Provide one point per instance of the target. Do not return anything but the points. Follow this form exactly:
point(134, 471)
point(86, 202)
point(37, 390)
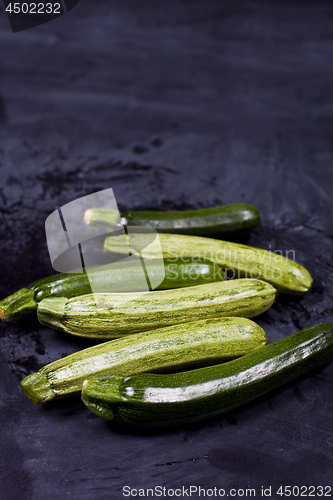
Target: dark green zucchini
point(156, 399)
point(197, 343)
point(178, 274)
point(239, 217)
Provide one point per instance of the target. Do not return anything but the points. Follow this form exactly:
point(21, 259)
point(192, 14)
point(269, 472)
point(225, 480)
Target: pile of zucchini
point(186, 350)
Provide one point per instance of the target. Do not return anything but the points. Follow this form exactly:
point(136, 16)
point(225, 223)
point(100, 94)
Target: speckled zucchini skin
point(196, 343)
point(235, 218)
point(284, 274)
point(155, 399)
point(178, 274)
point(124, 313)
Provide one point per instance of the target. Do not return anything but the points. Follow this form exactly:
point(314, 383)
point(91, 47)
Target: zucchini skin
point(120, 314)
point(178, 274)
point(196, 343)
point(245, 261)
point(234, 218)
point(156, 400)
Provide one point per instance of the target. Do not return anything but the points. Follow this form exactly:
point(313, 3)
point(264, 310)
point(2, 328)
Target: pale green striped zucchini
point(197, 343)
point(123, 313)
point(115, 278)
point(284, 274)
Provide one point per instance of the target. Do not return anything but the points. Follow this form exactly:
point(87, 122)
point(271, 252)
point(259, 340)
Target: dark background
point(174, 104)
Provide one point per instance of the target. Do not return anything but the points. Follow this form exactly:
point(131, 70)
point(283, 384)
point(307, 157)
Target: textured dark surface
point(178, 104)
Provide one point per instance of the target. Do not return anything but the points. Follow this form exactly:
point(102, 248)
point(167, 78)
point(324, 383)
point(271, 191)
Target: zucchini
point(155, 399)
point(119, 314)
point(199, 342)
point(235, 218)
point(284, 274)
point(178, 274)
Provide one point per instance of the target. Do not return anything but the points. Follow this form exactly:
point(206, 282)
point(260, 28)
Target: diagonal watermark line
point(64, 227)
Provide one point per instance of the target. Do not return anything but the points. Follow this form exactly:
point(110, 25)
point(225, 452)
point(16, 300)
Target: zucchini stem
point(37, 388)
point(18, 304)
point(51, 311)
point(101, 217)
point(91, 391)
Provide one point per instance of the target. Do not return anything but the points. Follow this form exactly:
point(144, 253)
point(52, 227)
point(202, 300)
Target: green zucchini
point(284, 274)
point(123, 313)
point(178, 274)
point(156, 399)
point(239, 217)
point(200, 342)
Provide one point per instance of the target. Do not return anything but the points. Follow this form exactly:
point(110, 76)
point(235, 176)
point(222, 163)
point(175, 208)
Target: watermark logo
point(75, 243)
point(24, 15)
